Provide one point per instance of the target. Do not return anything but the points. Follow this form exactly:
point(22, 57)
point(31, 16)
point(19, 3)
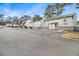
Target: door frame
point(50, 25)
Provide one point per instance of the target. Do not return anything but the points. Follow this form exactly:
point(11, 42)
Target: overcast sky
point(19, 9)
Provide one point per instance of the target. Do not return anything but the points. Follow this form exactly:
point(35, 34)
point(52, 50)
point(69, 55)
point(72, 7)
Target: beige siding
point(46, 23)
point(69, 21)
point(59, 21)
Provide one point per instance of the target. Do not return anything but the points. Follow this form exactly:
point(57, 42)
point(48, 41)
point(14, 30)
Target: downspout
point(75, 21)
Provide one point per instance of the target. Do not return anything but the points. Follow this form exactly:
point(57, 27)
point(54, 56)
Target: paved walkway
point(28, 42)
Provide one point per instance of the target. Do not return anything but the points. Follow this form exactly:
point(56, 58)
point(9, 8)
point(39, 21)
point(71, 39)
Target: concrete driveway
point(28, 42)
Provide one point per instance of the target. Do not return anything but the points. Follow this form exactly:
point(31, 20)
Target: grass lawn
point(73, 35)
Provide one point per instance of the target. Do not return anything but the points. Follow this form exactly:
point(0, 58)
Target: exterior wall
point(68, 27)
point(46, 23)
point(59, 21)
point(65, 27)
point(69, 21)
point(62, 24)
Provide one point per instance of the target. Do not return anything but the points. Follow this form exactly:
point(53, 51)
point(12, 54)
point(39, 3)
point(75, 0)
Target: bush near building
point(2, 23)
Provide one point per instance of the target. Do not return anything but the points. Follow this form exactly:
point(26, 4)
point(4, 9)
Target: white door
point(51, 26)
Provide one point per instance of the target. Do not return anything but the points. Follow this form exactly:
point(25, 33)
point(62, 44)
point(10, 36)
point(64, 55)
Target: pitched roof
point(77, 21)
point(59, 17)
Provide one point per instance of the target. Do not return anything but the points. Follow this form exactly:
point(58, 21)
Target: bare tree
point(54, 10)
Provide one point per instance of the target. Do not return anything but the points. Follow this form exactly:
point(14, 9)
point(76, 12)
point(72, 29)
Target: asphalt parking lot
point(31, 42)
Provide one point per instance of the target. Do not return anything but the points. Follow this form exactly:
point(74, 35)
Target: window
point(65, 20)
point(72, 17)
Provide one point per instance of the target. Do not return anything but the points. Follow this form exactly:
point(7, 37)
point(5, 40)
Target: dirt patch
point(73, 35)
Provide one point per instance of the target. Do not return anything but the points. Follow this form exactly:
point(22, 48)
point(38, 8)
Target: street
point(30, 42)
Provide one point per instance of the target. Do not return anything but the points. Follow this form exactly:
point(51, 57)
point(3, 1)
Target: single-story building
point(28, 23)
point(65, 22)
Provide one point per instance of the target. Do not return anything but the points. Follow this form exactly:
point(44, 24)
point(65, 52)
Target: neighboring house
point(28, 23)
point(66, 22)
point(10, 25)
